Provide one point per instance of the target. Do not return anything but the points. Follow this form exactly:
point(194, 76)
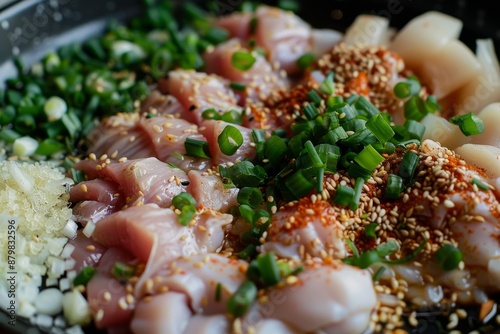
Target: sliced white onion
point(70, 229)
point(55, 108)
point(89, 229)
point(49, 302)
point(67, 250)
point(23, 180)
point(24, 146)
point(76, 308)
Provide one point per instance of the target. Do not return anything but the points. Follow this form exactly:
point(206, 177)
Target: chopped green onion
point(243, 60)
point(247, 253)
point(232, 116)
point(355, 171)
point(290, 5)
point(242, 298)
point(370, 230)
point(24, 146)
point(448, 257)
point(123, 271)
point(310, 111)
point(470, 124)
point(344, 195)
point(330, 154)
point(275, 150)
point(314, 97)
point(479, 184)
point(380, 128)
point(327, 86)
point(408, 165)
point(298, 185)
point(415, 108)
point(197, 148)
point(230, 140)
point(402, 90)
point(362, 104)
point(7, 115)
point(187, 205)
point(269, 272)
point(210, 114)
point(394, 186)
point(358, 187)
point(333, 136)
point(250, 195)
point(216, 35)
point(352, 247)
point(238, 86)
point(218, 292)
point(369, 158)
point(415, 129)
point(244, 173)
point(253, 25)
point(379, 273)
point(246, 212)
point(306, 60)
point(313, 154)
point(48, 147)
point(84, 276)
point(388, 147)
point(351, 99)
point(72, 123)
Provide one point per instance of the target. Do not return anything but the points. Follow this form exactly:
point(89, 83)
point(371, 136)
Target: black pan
point(31, 28)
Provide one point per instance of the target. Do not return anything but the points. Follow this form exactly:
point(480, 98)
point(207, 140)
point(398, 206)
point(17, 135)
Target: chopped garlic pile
point(34, 198)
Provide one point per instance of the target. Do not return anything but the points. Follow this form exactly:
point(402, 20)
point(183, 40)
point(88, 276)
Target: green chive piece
point(470, 124)
point(394, 186)
point(314, 97)
point(123, 271)
point(358, 187)
point(306, 60)
point(84, 276)
point(269, 271)
point(415, 129)
point(218, 292)
point(232, 116)
point(244, 173)
point(187, 205)
point(327, 86)
point(343, 195)
point(230, 140)
point(366, 107)
point(380, 128)
point(211, 114)
point(481, 185)
point(415, 108)
point(243, 60)
point(238, 86)
point(197, 148)
point(448, 257)
point(370, 230)
point(243, 297)
point(379, 273)
point(250, 196)
point(369, 158)
point(408, 165)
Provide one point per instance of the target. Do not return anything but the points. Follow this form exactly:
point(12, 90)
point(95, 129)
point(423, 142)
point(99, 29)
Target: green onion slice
point(380, 127)
point(123, 271)
point(344, 195)
point(370, 230)
point(197, 148)
point(408, 165)
point(211, 114)
point(230, 140)
point(84, 276)
point(480, 185)
point(470, 124)
point(448, 257)
point(243, 60)
point(242, 298)
point(250, 196)
point(269, 272)
point(327, 86)
point(358, 187)
point(394, 186)
point(305, 61)
point(369, 158)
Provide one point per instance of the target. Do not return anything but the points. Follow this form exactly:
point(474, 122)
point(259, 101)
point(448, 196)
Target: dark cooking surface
point(34, 27)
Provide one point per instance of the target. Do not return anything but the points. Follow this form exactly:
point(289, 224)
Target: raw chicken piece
point(490, 115)
point(209, 191)
point(212, 129)
point(103, 191)
point(197, 276)
point(158, 104)
point(198, 91)
point(440, 130)
point(484, 156)
point(92, 211)
point(260, 80)
point(273, 326)
point(87, 252)
point(161, 314)
point(323, 40)
point(306, 229)
point(367, 30)
point(106, 295)
point(347, 300)
point(201, 324)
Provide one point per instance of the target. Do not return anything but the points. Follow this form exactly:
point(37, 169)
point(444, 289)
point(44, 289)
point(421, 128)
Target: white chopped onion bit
point(64, 284)
point(23, 180)
point(89, 229)
point(67, 250)
point(55, 108)
point(76, 308)
point(70, 229)
point(119, 48)
point(44, 321)
point(49, 302)
point(24, 146)
point(51, 281)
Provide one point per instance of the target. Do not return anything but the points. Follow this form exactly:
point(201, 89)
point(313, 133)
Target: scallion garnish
point(310, 111)
point(358, 187)
point(344, 195)
point(370, 230)
point(242, 60)
point(415, 129)
point(84, 276)
point(238, 86)
point(369, 158)
point(314, 97)
point(306, 60)
point(414, 108)
point(197, 148)
point(394, 186)
point(366, 107)
point(380, 271)
point(187, 205)
point(408, 165)
point(448, 257)
point(232, 116)
point(242, 298)
point(244, 173)
point(480, 184)
point(268, 268)
point(211, 114)
point(230, 140)
point(123, 271)
point(327, 86)
point(250, 195)
point(275, 150)
point(470, 124)
point(218, 292)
